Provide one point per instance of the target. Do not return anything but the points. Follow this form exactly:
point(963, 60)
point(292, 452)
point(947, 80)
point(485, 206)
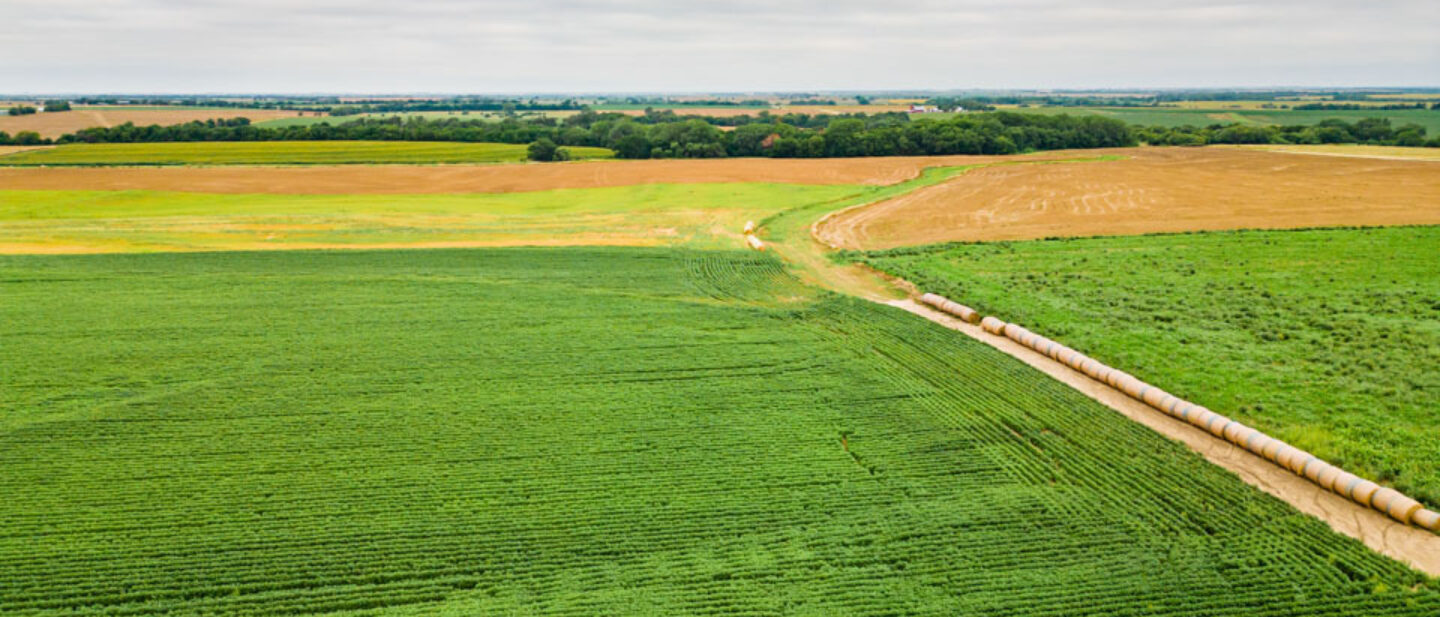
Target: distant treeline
point(1355, 107)
point(365, 107)
point(1372, 131)
point(666, 135)
point(665, 102)
point(338, 107)
point(656, 137)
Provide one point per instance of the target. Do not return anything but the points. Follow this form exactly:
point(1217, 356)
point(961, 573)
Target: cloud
point(739, 45)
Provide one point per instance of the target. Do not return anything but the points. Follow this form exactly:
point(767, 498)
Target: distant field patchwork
point(282, 153)
point(585, 432)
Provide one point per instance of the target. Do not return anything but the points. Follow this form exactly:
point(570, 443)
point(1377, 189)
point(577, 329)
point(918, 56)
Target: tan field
point(1154, 190)
point(59, 123)
point(1368, 152)
point(429, 179)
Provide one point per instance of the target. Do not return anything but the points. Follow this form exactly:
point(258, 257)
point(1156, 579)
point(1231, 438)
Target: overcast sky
point(466, 46)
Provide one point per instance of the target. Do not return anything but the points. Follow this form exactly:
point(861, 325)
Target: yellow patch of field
point(698, 215)
point(1369, 152)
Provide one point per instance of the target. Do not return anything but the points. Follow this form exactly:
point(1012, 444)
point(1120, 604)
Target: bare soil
point(55, 124)
point(1154, 190)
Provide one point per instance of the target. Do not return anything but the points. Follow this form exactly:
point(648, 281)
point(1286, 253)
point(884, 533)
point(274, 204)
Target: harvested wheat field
point(1154, 190)
point(1369, 152)
point(58, 123)
point(411, 179)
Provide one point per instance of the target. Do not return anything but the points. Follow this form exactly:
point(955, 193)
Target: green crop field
point(590, 431)
point(1327, 339)
point(282, 153)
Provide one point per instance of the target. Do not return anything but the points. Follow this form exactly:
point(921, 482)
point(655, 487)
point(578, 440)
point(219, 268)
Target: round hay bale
point(1327, 477)
point(1285, 456)
point(1317, 468)
point(1201, 417)
point(1428, 519)
point(1382, 498)
point(1300, 459)
point(1216, 425)
point(1403, 508)
point(992, 325)
point(1364, 491)
point(1272, 448)
point(1238, 433)
point(1345, 483)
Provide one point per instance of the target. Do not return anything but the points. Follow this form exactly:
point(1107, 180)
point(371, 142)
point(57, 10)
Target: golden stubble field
point(1153, 190)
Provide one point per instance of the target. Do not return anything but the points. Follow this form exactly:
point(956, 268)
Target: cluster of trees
point(853, 135)
point(545, 150)
point(1372, 131)
point(666, 135)
point(23, 138)
point(57, 106)
point(21, 110)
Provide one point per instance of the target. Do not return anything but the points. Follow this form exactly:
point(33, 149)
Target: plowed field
point(1155, 190)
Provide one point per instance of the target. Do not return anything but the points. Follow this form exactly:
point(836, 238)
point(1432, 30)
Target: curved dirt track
point(1155, 190)
point(419, 179)
point(1417, 547)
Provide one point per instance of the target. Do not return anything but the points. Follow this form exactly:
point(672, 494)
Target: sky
point(675, 46)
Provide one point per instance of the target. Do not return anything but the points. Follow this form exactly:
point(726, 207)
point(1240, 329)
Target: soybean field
point(583, 431)
point(1326, 339)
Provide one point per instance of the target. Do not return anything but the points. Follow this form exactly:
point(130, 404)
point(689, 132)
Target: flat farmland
point(1153, 190)
point(709, 214)
point(1201, 114)
point(1326, 339)
point(405, 180)
point(281, 153)
point(55, 124)
point(639, 215)
point(1369, 152)
point(590, 431)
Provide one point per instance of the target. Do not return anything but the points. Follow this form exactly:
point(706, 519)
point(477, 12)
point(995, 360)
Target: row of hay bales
point(751, 239)
point(1302, 463)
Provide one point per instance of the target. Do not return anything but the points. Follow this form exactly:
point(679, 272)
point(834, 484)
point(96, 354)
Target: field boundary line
point(1411, 545)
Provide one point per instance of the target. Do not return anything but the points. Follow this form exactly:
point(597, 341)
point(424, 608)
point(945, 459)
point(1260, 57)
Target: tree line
point(666, 135)
point(660, 137)
point(1370, 131)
